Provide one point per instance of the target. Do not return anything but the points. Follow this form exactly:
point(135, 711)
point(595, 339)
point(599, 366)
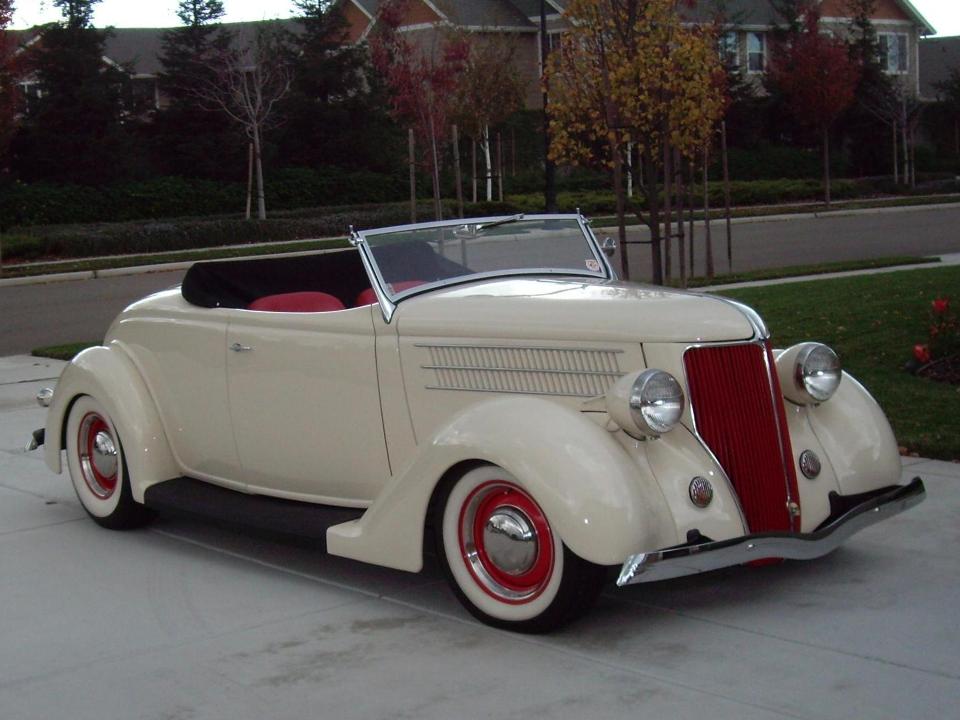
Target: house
point(749, 25)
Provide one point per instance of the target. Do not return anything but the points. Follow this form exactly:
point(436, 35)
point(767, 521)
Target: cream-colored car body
point(345, 408)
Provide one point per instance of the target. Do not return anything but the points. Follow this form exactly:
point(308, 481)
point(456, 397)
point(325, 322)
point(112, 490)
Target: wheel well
point(66, 417)
point(451, 475)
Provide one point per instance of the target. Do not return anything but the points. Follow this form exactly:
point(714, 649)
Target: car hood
point(573, 309)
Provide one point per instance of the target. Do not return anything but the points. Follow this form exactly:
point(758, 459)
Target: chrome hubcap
point(98, 455)
point(104, 454)
point(510, 541)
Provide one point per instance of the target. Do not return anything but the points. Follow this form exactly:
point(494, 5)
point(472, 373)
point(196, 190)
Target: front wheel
point(98, 469)
point(504, 561)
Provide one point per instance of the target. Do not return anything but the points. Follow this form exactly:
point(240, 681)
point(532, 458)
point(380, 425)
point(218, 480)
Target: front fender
point(595, 497)
point(108, 375)
point(857, 438)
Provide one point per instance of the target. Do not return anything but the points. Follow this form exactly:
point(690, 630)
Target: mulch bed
point(946, 370)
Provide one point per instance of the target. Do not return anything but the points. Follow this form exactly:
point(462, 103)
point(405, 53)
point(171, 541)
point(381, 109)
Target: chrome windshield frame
point(389, 301)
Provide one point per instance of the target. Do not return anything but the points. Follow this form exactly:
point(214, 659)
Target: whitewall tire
point(503, 559)
point(98, 469)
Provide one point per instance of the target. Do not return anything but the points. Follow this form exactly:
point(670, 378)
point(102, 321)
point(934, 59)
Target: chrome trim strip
point(573, 348)
point(512, 392)
point(549, 371)
point(691, 559)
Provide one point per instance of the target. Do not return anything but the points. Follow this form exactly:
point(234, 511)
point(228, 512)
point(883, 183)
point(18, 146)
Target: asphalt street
point(53, 313)
point(185, 620)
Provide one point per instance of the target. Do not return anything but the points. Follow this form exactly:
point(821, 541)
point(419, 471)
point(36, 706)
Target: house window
point(756, 52)
point(730, 48)
point(893, 52)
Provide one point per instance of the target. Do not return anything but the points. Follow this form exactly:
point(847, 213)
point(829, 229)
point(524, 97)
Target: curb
point(137, 269)
point(805, 216)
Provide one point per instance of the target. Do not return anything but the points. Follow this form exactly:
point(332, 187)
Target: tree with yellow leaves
point(633, 72)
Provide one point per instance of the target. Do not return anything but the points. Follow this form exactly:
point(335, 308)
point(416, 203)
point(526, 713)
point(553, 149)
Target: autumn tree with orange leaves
point(819, 79)
point(631, 72)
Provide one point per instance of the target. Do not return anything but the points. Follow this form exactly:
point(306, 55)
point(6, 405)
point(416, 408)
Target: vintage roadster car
point(487, 385)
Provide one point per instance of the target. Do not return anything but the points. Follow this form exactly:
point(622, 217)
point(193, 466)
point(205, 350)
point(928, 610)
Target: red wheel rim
point(98, 455)
point(510, 582)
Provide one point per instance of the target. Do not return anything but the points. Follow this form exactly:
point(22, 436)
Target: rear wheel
point(503, 559)
point(98, 469)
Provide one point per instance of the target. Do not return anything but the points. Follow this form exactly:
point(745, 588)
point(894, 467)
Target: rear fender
point(595, 497)
point(108, 375)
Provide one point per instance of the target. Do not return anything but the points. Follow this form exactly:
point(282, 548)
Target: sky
point(944, 15)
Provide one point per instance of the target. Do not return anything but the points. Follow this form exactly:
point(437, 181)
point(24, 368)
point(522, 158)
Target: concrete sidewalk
point(184, 620)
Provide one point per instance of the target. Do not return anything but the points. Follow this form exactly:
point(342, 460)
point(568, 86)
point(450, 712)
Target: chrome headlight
point(648, 403)
point(809, 373)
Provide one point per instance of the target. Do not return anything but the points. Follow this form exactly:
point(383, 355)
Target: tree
point(629, 71)
point(818, 77)
point(77, 131)
point(486, 96)
point(335, 113)
point(187, 139)
point(421, 81)
point(246, 83)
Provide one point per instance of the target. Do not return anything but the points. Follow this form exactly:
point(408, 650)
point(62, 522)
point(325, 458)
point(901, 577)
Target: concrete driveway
point(186, 620)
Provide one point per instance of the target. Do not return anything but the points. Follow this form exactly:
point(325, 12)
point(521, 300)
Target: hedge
point(23, 205)
point(128, 238)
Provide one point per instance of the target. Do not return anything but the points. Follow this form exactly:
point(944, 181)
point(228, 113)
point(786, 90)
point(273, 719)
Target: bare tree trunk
point(500, 167)
point(726, 193)
point(485, 145)
point(630, 169)
point(411, 148)
point(903, 144)
point(913, 158)
point(621, 206)
point(681, 240)
point(258, 159)
point(708, 238)
point(691, 183)
point(456, 170)
point(513, 152)
point(826, 165)
point(435, 160)
point(653, 222)
point(956, 136)
point(249, 180)
point(896, 160)
point(473, 167)
point(667, 210)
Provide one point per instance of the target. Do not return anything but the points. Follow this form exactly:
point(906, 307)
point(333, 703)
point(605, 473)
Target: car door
point(305, 404)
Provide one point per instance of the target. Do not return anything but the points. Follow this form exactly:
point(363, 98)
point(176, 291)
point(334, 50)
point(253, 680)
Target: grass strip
point(66, 351)
point(717, 215)
point(801, 270)
point(91, 264)
point(873, 323)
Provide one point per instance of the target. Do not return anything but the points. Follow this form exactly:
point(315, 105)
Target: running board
point(274, 516)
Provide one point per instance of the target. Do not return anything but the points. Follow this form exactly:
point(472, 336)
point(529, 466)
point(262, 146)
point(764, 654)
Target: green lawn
point(873, 322)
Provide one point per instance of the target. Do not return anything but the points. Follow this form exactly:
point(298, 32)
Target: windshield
point(409, 257)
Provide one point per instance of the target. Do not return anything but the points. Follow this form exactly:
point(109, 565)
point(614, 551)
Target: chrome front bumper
point(691, 559)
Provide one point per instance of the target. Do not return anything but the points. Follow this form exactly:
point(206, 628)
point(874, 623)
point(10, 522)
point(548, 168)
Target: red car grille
point(739, 413)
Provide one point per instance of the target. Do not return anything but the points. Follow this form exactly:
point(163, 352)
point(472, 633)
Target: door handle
point(237, 347)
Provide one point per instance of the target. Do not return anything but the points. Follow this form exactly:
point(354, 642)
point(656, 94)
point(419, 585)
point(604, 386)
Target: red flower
point(941, 305)
point(921, 353)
